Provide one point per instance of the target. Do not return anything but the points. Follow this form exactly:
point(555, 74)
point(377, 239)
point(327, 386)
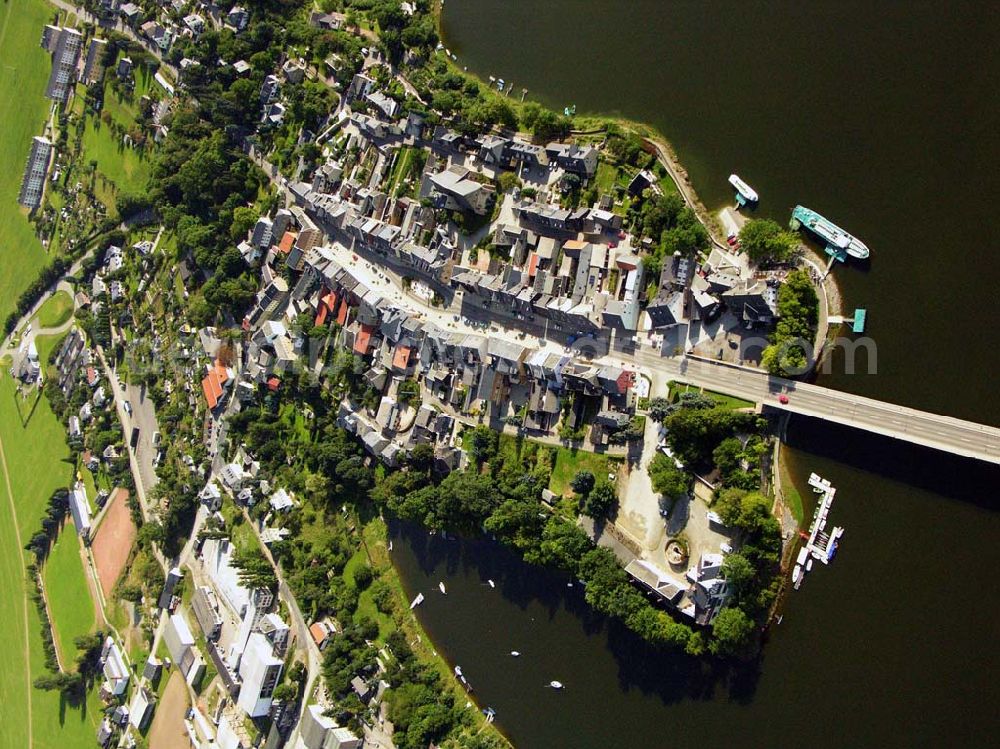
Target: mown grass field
point(35, 463)
point(729, 401)
point(124, 167)
point(56, 310)
point(70, 603)
point(569, 462)
point(24, 71)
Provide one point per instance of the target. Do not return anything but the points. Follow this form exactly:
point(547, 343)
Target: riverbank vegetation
point(336, 562)
point(798, 314)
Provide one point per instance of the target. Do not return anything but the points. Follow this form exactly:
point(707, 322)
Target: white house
point(281, 500)
point(115, 670)
point(79, 508)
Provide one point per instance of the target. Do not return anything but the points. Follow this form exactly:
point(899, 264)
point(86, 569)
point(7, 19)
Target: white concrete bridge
point(965, 438)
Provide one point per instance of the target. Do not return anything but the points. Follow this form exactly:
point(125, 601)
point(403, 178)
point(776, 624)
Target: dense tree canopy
point(765, 241)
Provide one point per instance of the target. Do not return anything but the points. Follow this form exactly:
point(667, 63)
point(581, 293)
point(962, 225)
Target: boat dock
point(857, 322)
point(745, 195)
point(820, 545)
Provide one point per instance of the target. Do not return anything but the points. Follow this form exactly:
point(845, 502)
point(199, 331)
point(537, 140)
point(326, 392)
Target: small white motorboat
point(491, 583)
point(441, 588)
point(515, 653)
point(417, 601)
point(556, 684)
point(458, 671)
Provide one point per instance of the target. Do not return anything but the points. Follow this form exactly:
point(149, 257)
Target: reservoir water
point(883, 117)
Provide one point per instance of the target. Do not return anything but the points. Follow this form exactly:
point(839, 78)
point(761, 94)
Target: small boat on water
point(441, 588)
point(744, 193)
point(515, 653)
point(797, 576)
point(490, 714)
point(809, 564)
point(556, 684)
point(491, 583)
point(458, 671)
point(417, 601)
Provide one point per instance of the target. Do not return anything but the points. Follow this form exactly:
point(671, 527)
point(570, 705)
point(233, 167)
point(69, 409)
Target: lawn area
point(569, 461)
point(24, 71)
point(606, 177)
point(730, 401)
point(57, 309)
point(70, 604)
point(123, 167)
point(400, 169)
point(124, 110)
point(45, 345)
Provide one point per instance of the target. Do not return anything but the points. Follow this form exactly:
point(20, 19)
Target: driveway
point(639, 508)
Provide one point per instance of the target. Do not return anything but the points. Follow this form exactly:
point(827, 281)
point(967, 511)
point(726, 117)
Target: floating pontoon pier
point(820, 545)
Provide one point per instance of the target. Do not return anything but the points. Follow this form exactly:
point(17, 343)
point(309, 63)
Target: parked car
point(782, 398)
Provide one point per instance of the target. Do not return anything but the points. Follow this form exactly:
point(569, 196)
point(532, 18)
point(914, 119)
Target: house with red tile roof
point(287, 242)
point(363, 340)
point(215, 383)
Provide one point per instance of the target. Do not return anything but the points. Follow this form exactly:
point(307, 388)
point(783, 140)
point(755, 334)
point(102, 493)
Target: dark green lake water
point(885, 118)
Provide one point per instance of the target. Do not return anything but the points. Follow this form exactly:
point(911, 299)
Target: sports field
point(24, 71)
point(70, 603)
point(114, 539)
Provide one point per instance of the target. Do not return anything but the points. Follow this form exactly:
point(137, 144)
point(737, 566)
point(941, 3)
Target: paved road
point(143, 417)
point(946, 433)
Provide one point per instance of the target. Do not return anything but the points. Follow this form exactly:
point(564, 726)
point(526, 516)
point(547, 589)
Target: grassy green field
point(57, 309)
point(46, 343)
point(35, 463)
point(24, 71)
point(722, 399)
point(124, 110)
point(70, 603)
point(124, 167)
point(569, 461)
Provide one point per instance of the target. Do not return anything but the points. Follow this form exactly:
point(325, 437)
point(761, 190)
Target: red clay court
point(114, 540)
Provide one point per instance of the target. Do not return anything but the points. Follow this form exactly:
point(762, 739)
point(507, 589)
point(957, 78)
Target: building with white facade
point(65, 45)
point(260, 672)
point(33, 182)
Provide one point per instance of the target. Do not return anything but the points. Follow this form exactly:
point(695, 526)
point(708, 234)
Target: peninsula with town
point(282, 275)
